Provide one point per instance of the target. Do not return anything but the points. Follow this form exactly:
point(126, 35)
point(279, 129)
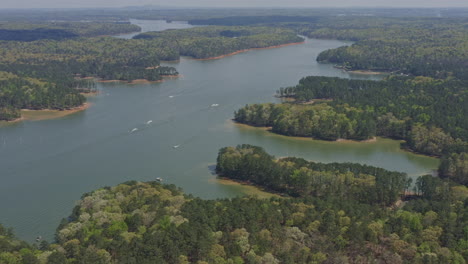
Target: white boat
point(214, 105)
point(149, 122)
point(134, 130)
point(159, 179)
point(176, 146)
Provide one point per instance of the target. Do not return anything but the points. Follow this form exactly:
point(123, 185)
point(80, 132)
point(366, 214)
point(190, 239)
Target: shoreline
point(367, 72)
point(144, 81)
point(249, 188)
point(44, 114)
point(119, 34)
point(362, 72)
point(405, 148)
point(245, 50)
point(370, 140)
point(89, 94)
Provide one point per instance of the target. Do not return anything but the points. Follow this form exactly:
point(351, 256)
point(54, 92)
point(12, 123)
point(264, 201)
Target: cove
point(47, 165)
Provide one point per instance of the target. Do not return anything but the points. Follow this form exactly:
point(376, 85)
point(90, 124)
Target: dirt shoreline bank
point(43, 114)
point(248, 187)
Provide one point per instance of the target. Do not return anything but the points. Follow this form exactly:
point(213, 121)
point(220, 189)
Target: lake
point(47, 165)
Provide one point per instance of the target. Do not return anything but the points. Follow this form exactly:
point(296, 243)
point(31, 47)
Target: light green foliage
point(249, 230)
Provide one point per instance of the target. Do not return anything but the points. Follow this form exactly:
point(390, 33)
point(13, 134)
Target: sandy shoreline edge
point(43, 114)
point(142, 81)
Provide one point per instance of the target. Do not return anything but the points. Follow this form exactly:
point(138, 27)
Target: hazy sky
point(231, 3)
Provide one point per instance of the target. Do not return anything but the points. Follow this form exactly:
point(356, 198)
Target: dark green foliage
point(298, 177)
point(455, 167)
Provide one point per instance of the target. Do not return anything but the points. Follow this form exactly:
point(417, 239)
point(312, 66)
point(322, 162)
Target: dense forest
point(429, 114)
point(428, 47)
point(61, 30)
point(139, 222)
point(205, 42)
point(48, 73)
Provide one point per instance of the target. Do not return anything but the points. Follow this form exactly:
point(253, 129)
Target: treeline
point(300, 178)
point(206, 42)
point(139, 222)
point(429, 114)
point(61, 30)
